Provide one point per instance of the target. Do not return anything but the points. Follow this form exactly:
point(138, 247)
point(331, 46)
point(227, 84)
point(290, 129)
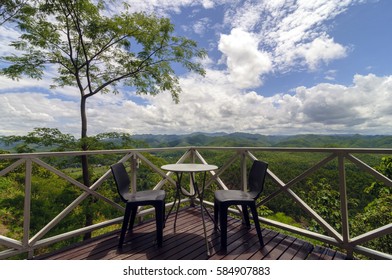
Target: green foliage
point(11, 210)
point(283, 218)
point(326, 201)
point(378, 188)
point(376, 214)
point(41, 137)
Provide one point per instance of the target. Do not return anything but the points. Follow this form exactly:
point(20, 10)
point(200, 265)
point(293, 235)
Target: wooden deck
point(187, 243)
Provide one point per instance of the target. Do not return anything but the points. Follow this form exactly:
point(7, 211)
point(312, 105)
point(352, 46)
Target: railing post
point(27, 208)
point(192, 187)
point(343, 205)
point(134, 165)
point(244, 172)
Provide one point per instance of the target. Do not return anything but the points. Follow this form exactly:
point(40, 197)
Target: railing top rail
point(90, 152)
point(163, 149)
point(301, 149)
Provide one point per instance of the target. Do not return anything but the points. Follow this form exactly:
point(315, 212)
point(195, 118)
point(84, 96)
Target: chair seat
point(233, 195)
point(145, 196)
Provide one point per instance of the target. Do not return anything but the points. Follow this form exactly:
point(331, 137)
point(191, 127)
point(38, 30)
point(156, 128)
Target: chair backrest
point(121, 178)
point(256, 178)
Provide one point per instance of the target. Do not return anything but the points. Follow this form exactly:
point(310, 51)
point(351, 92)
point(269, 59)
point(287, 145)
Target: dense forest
point(370, 202)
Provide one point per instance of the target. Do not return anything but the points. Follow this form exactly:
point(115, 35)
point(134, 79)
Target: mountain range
point(252, 140)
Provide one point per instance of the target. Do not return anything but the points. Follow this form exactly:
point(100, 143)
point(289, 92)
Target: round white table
point(191, 168)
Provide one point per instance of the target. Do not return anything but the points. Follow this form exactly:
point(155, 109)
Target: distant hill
point(251, 140)
point(258, 140)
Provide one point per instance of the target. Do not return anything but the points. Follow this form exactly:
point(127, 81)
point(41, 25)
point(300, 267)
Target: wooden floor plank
point(292, 250)
point(254, 247)
point(304, 251)
point(275, 249)
point(186, 242)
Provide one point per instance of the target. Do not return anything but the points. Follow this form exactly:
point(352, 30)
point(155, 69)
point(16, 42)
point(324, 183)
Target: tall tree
point(98, 53)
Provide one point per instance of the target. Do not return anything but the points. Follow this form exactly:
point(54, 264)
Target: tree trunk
point(85, 167)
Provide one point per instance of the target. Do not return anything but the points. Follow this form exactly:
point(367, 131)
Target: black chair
point(225, 198)
point(156, 198)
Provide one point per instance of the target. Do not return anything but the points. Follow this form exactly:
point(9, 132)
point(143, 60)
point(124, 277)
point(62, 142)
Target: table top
point(189, 167)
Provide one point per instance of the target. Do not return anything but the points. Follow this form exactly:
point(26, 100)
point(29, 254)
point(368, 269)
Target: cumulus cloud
point(363, 107)
point(322, 49)
point(21, 112)
point(245, 62)
point(211, 104)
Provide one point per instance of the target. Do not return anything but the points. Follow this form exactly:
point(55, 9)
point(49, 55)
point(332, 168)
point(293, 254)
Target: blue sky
point(273, 67)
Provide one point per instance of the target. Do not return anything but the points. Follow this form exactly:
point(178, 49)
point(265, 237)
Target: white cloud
point(164, 7)
point(201, 25)
point(322, 49)
point(245, 16)
point(363, 107)
point(246, 64)
point(213, 104)
point(330, 75)
point(21, 112)
point(7, 35)
point(219, 107)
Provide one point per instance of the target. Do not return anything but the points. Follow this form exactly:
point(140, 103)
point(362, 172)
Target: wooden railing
point(351, 244)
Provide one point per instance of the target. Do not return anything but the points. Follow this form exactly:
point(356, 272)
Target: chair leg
point(159, 218)
point(133, 216)
point(128, 210)
point(223, 225)
point(245, 214)
point(257, 224)
point(164, 214)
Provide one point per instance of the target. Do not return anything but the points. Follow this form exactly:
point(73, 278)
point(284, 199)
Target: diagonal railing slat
point(11, 243)
point(157, 170)
point(370, 170)
point(77, 183)
point(12, 167)
point(378, 232)
point(215, 174)
point(307, 173)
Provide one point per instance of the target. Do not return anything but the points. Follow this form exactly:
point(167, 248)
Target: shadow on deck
point(186, 242)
